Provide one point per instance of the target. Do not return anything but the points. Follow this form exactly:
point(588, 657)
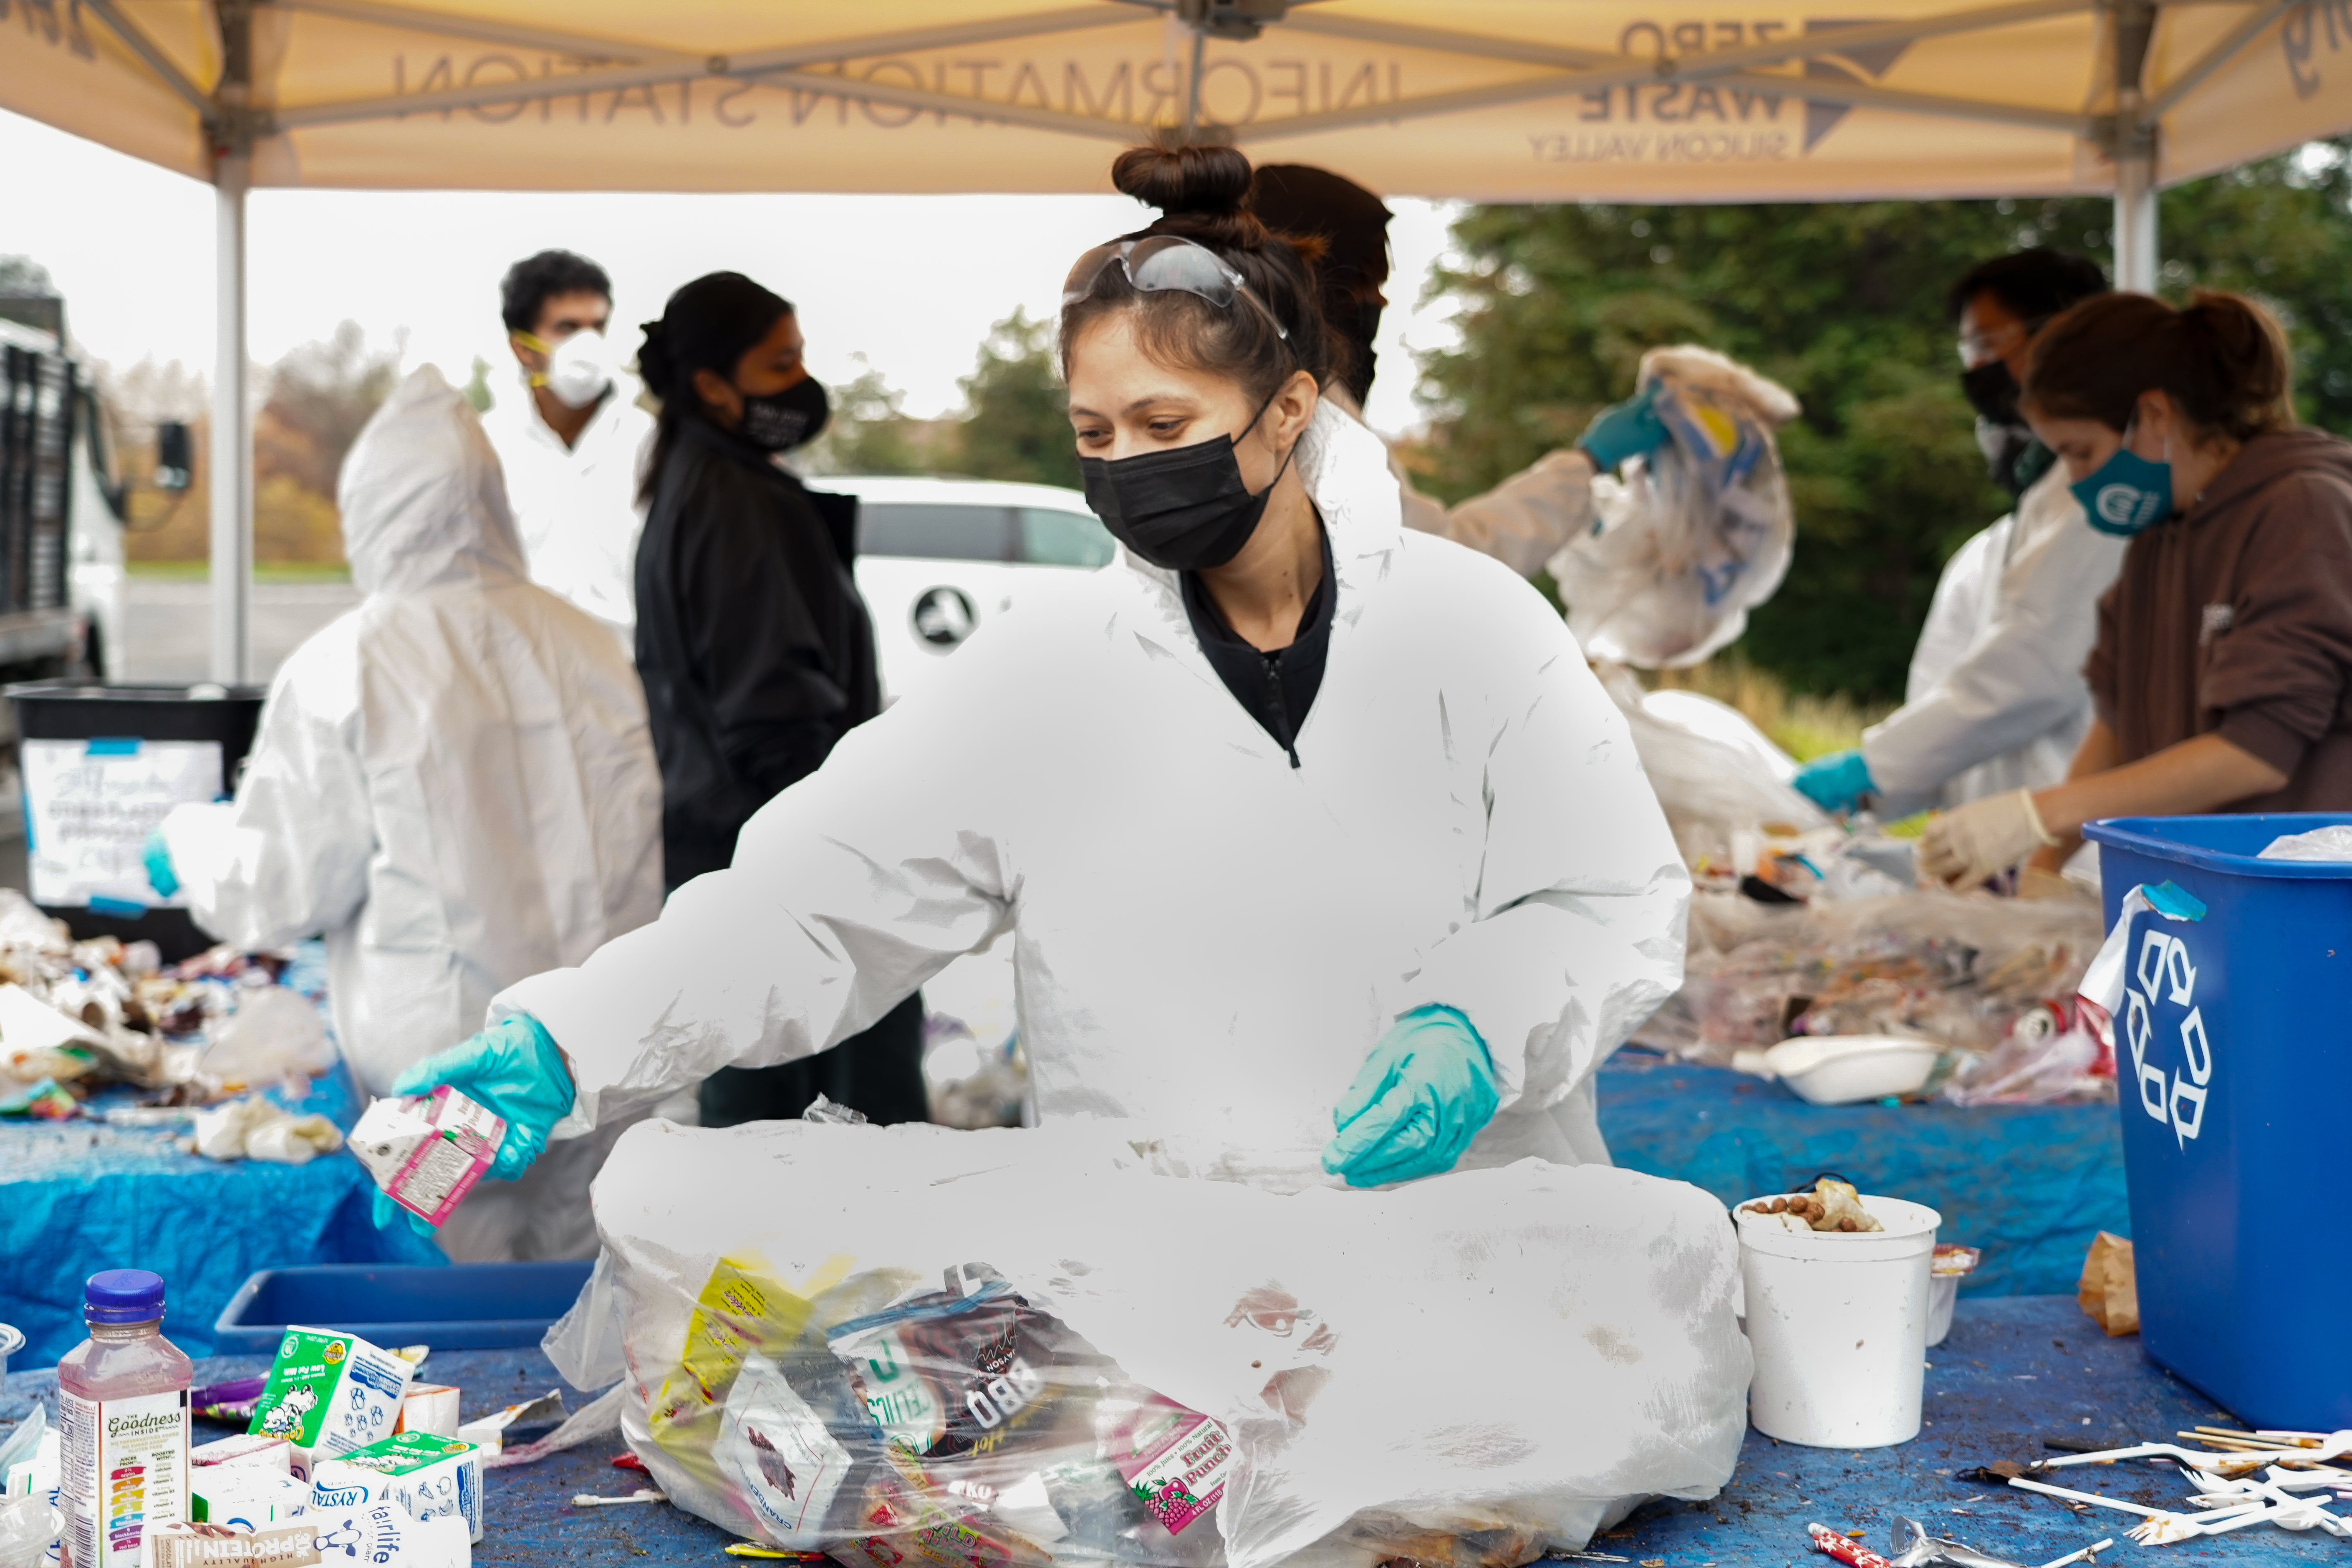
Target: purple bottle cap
point(122, 1296)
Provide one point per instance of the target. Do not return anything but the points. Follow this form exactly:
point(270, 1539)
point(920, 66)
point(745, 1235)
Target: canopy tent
point(1489, 100)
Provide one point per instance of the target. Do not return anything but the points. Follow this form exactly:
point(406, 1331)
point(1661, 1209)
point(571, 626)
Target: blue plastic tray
point(463, 1306)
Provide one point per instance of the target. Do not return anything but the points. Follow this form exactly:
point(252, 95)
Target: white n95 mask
point(580, 370)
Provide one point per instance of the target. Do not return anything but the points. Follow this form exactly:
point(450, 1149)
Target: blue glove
point(1837, 782)
point(514, 1069)
point(158, 857)
point(1624, 430)
point(1423, 1094)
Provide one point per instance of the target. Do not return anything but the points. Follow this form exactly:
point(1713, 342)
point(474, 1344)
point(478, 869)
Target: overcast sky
point(910, 282)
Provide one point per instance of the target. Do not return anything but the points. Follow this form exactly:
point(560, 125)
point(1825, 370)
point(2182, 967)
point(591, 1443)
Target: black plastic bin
point(115, 717)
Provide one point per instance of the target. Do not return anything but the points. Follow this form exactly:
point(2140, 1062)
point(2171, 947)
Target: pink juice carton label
point(1175, 1461)
point(426, 1152)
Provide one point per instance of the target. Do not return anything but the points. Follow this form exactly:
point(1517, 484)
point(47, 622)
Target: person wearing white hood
point(453, 781)
point(1319, 840)
point(572, 438)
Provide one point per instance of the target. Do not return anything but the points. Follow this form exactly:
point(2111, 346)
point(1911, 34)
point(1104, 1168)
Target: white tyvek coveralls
point(576, 507)
point(453, 781)
point(1996, 699)
point(1208, 940)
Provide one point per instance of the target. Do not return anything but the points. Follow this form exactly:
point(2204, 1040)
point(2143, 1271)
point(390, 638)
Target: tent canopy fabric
point(1490, 100)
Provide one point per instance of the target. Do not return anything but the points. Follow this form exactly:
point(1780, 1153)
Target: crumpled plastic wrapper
point(255, 1129)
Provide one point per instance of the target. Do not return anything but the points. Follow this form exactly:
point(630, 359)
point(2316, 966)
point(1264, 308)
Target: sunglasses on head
point(1164, 262)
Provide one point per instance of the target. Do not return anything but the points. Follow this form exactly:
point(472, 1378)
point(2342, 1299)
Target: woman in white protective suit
point(1318, 838)
point(453, 781)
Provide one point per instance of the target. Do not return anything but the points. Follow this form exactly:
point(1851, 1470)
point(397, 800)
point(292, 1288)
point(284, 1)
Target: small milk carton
point(430, 1408)
point(329, 1393)
point(432, 1477)
point(427, 1151)
point(247, 1495)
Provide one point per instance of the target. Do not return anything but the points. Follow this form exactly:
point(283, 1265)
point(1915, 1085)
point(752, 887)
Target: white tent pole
point(2134, 23)
point(232, 436)
point(232, 433)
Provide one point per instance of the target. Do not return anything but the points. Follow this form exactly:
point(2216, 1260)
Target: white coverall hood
point(454, 781)
point(424, 502)
point(1208, 940)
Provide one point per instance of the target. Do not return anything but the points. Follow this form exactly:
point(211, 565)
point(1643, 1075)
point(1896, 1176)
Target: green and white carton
point(430, 1477)
point(329, 1394)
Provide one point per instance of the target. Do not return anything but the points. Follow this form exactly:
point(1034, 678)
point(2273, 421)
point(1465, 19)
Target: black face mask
point(1991, 391)
point(1184, 509)
point(779, 421)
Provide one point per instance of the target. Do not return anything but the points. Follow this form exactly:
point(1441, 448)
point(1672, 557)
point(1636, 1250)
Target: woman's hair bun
point(654, 366)
point(1209, 181)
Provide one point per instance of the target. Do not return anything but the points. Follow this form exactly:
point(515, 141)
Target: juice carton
point(329, 1393)
point(432, 1477)
point(427, 1151)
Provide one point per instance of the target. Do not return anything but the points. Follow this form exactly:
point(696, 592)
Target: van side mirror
point(174, 455)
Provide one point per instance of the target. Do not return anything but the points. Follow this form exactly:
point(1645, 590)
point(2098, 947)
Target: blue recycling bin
point(2235, 1081)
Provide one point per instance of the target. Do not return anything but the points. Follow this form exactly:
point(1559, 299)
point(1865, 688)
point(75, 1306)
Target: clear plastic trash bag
point(1698, 534)
point(1015, 1348)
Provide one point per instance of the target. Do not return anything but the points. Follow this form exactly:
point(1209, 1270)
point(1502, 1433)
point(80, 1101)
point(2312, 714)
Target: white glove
point(1964, 846)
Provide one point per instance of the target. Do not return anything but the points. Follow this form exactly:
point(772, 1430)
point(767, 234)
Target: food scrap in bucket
point(1831, 1205)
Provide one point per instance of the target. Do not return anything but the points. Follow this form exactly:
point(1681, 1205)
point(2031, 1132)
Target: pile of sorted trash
point(193, 1043)
point(1987, 987)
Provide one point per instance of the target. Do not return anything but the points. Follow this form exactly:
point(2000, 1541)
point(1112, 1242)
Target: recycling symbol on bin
point(2164, 974)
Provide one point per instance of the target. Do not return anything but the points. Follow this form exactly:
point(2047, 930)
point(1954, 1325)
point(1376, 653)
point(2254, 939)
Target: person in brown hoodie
point(2222, 675)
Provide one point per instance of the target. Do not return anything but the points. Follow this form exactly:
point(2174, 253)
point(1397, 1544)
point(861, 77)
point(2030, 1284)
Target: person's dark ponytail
point(710, 324)
point(2223, 361)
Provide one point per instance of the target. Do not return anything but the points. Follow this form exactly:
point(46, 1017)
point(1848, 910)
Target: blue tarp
point(79, 1196)
point(2031, 1185)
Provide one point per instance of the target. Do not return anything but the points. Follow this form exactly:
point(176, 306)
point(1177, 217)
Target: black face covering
point(1991, 391)
point(779, 421)
point(1184, 509)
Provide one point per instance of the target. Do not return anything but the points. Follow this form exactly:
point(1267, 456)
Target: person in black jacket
point(756, 651)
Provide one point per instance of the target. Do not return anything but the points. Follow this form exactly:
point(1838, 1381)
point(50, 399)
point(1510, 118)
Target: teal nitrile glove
point(1423, 1094)
point(158, 857)
point(1622, 430)
point(1837, 782)
point(387, 1213)
point(514, 1069)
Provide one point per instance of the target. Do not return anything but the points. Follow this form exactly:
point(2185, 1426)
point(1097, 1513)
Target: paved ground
point(167, 626)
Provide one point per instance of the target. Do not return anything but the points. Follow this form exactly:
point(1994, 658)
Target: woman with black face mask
point(1324, 854)
point(755, 649)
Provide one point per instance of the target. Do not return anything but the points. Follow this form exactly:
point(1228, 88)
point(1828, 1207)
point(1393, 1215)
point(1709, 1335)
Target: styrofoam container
point(1843, 1070)
point(1839, 1324)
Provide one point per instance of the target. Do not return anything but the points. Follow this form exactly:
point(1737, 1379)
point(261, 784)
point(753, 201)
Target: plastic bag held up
point(1014, 1348)
point(1699, 533)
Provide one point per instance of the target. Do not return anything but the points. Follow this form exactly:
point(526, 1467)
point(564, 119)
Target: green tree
point(476, 390)
point(1016, 424)
point(1844, 304)
point(868, 432)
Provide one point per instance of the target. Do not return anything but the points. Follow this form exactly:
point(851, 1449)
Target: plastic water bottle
point(123, 1416)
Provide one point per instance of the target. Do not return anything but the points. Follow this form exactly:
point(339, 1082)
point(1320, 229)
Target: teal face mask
point(2127, 493)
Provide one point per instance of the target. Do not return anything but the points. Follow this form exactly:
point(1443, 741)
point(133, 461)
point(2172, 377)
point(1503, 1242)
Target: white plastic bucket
point(1839, 1324)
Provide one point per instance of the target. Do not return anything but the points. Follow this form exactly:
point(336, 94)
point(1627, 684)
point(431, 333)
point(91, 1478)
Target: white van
point(938, 558)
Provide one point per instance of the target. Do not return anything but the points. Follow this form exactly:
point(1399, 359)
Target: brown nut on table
point(1845, 1224)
